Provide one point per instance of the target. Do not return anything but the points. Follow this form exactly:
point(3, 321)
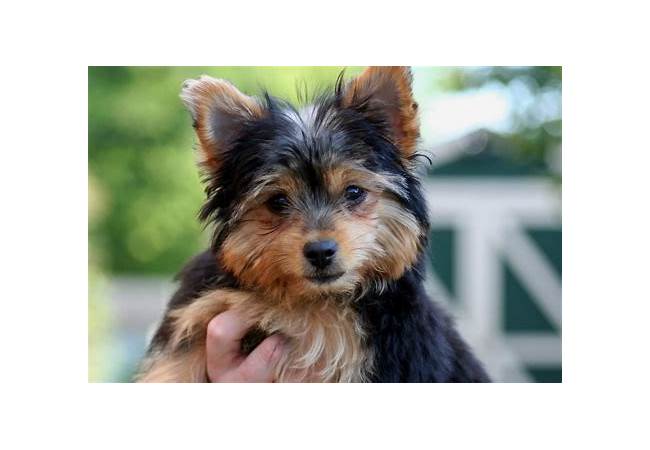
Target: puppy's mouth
point(325, 278)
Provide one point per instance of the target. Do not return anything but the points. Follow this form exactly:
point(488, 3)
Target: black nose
point(320, 253)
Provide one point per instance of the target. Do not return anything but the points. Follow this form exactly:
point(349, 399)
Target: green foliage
point(99, 328)
point(537, 119)
point(140, 158)
point(99, 314)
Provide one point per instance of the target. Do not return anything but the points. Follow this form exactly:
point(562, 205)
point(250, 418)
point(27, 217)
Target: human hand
point(225, 362)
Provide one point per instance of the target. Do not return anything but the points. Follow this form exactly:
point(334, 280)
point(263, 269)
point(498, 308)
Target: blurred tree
point(537, 116)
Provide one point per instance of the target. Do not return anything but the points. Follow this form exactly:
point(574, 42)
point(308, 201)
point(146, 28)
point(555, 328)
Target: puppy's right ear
point(219, 111)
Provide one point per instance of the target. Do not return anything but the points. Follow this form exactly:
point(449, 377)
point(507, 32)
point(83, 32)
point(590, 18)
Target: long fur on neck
point(326, 339)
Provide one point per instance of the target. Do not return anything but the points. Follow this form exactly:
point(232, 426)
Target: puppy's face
point(317, 200)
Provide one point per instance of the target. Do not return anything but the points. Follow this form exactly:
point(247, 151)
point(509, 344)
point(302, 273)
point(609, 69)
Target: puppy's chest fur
point(325, 338)
point(395, 336)
point(324, 335)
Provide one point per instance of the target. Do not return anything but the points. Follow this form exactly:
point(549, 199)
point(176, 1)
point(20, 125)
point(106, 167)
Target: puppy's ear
point(386, 93)
point(219, 112)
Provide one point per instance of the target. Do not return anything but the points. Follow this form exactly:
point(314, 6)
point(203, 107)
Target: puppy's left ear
point(386, 93)
point(219, 111)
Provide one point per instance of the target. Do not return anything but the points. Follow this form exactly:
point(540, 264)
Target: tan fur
point(399, 238)
point(204, 97)
point(325, 339)
point(390, 89)
point(264, 251)
point(167, 367)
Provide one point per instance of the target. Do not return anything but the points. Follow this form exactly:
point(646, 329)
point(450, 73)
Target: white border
point(44, 163)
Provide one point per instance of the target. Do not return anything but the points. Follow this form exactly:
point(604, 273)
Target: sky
point(447, 115)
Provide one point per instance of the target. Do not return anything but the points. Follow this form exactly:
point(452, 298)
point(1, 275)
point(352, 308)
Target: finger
point(260, 365)
point(222, 341)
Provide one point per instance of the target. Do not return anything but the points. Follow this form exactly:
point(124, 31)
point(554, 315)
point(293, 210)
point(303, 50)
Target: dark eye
point(278, 203)
point(354, 194)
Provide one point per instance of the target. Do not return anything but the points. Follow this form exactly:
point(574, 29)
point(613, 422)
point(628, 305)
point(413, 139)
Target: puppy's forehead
point(311, 151)
point(308, 139)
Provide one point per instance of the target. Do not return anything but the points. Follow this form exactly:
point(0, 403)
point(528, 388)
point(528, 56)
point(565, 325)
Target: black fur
point(412, 339)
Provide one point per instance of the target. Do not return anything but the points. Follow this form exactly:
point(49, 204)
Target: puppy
point(320, 228)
